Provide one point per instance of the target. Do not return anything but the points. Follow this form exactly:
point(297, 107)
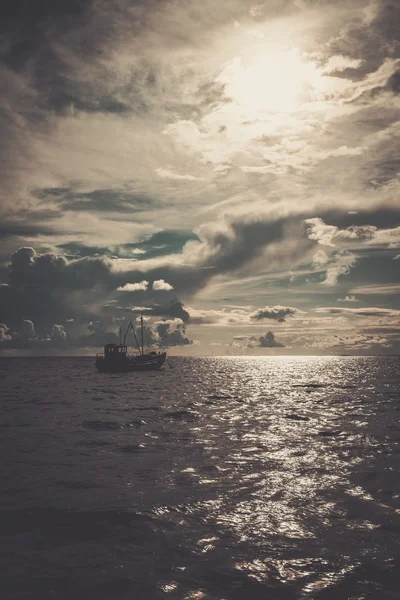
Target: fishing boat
point(117, 359)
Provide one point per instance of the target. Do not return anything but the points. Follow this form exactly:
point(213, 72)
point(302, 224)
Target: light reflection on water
point(281, 437)
point(236, 477)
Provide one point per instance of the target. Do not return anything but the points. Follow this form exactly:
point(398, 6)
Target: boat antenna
point(120, 336)
point(141, 323)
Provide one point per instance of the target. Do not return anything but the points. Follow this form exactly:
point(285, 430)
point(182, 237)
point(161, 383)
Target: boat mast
point(141, 323)
point(136, 340)
point(130, 325)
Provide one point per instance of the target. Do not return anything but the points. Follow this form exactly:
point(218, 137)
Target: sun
point(271, 80)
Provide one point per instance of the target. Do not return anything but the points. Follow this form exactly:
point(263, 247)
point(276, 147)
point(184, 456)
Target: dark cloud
point(391, 85)
point(277, 313)
point(59, 295)
point(77, 250)
point(372, 42)
point(241, 240)
point(101, 200)
point(27, 329)
point(268, 341)
point(24, 25)
point(383, 218)
point(169, 241)
point(52, 271)
point(62, 101)
point(169, 332)
point(26, 337)
point(174, 310)
point(98, 335)
point(21, 228)
point(172, 333)
point(58, 335)
point(49, 288)
point(34, 33)
point(263, 341)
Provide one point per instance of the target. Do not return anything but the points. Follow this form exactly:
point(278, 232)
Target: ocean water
point(213, 479)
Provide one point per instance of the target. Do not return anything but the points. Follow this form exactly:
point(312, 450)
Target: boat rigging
point(116, 358)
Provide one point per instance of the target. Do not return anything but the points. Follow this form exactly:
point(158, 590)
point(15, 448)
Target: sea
point(212, 479)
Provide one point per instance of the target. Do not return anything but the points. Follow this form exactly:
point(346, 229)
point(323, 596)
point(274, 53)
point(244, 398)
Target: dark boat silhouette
point(116, 358)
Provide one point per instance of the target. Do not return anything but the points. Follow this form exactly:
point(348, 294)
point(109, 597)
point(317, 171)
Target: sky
point(229, 170)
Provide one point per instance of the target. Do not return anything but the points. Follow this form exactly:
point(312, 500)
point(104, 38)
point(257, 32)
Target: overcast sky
point(229, 169)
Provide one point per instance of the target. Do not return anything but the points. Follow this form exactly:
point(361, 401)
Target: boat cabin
point(112, 351)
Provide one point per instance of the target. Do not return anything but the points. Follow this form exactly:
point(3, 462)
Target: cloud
point(257, 10)
point(366, 235)
point(50, 289)
point(339, 62)
point(97, 337)
point(320, 232)
point(377, 290)
point(174, 309)
point(268, 341)
point(58, 335)
point(277, 313)
point(264, 341)
point(172, 333)
point(320, 259)
point(239, 240)
point(350, 342)
point(361, 312)
point(30, 268)
point(351, 298)
point(160, 284)
point(166, 173)
point(5, 334)
point(168, 332)
point(28, 338)
point(27, 329)
point(337, 263)
point(222, 317)
point(117, 200)
point(340, 265)
point(134, 287)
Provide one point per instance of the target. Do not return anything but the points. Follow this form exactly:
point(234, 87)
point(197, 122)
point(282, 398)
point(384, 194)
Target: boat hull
point(137, 363)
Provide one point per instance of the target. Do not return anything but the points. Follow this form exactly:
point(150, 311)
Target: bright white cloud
point(320, 232)
point(320, 259)
point(367, 235)
point(348, 299)
point(340, 63)
point(134, 287)
point(160, 284)
point(167, 174)
point(340, 265)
